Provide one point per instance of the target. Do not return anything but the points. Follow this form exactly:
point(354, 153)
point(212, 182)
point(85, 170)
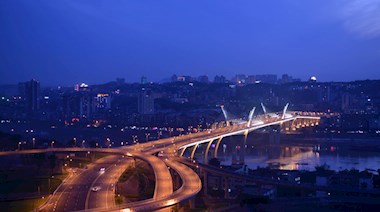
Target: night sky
point(70, 41)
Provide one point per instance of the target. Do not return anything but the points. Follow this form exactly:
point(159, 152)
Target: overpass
point(243, 129)
point(164, 196)
point(268, 181)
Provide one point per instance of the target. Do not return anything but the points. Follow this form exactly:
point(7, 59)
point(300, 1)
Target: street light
point(147, 136)
point(52, 143)
point(19, 145)
point(83, 143)
point(34, 142)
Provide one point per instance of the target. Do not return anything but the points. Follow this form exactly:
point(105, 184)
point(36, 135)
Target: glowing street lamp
point(52, 144)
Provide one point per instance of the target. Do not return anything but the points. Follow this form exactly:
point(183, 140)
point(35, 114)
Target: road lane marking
point(93, 183)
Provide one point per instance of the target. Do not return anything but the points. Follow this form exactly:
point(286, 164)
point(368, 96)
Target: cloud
point(361, 17)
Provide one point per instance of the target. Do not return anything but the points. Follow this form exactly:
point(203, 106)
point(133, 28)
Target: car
point(95, 189)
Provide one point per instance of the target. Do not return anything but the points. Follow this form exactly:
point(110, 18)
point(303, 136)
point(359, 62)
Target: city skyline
point(189, 105)
point(244, 80)
point(69, 42)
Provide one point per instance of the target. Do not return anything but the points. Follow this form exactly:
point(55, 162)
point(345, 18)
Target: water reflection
point(305, 156)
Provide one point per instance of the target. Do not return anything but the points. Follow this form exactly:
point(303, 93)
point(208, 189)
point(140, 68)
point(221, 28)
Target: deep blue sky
point(69, 41)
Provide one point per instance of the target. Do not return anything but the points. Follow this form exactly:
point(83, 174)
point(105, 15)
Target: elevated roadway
point(163, 193)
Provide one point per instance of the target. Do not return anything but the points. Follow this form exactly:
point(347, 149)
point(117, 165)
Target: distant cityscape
point(116, 115)
point(189, 106)
point(185, 102)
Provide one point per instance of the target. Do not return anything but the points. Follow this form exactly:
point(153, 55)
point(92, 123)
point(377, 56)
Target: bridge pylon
point(206, 152)
point(193, 151)
point(217, 147)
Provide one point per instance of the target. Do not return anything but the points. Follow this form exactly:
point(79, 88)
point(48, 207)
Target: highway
point(191, 185)
point(72, 194)
point(75, 193)
point(105, 197)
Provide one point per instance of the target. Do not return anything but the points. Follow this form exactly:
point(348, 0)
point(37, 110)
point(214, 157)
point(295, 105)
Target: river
point(338, 154)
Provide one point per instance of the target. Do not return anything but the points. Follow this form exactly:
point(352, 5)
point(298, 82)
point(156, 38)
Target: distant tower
point(145, 102)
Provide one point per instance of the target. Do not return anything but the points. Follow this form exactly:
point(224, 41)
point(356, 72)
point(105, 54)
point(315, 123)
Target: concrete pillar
point(206, 152)
point(291, 125)
point(234, 152)
point(226, 187)
point(193, 152)
point(178, 180)
point(182, 151)
point(274, 135)
point(192, 203)
point(242, 148)
point(205, 186)
point(217, 147)
point(134, 163)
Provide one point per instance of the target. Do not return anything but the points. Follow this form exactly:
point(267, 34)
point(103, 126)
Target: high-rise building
point(86, 106)
point(70, 105)
point(184, 78)
point(346, 102)
point(219, 79)
point(30, 91)
point(102, 101)
point(203, 79)
point(251, 79)
point(146, 102)
point(144, 80)
point(285, 78)
point(239, 79)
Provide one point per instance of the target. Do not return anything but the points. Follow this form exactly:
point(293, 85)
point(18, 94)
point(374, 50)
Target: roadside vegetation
point(136, 183)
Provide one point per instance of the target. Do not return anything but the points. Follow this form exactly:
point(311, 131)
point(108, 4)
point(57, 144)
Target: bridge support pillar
point(217, 147)
point(226, 188)
point(234, 152)
point(193, 152)
point(192, 203)
point(292, 124)
point(206, 152)
point(205, 183)
point(182, 152)
point(274, 135)
point(242, 148)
